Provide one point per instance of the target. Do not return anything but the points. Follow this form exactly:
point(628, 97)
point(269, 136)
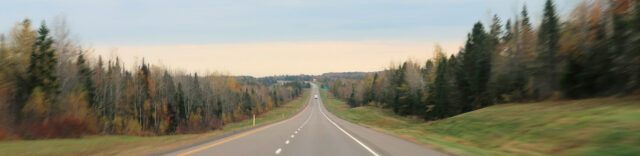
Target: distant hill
point(270, 80)
point(326, 77)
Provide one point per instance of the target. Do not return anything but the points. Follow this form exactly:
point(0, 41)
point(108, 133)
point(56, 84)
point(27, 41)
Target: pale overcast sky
point(267, 37)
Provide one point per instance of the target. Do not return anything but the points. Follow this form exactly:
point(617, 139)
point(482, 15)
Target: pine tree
point(620, 39)
point(598, 57)
point(194, 99)
point(548, 48)
point(402, 98)
point(180, 102)
point(85, 75)
point(450, 75)
point(246, 101)
point(172, 103)
point(526, 25)
point(474, 72)
point(442, 108)
point(143, 103)
point(508, 34)
point(352, 99)
point(42, 63)
point(495, 31)
point(428, 67)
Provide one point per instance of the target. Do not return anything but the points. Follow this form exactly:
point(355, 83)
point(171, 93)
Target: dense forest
point(593, 52)
point(50, 89)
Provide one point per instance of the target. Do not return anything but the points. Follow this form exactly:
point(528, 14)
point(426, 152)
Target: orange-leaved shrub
point(3, 133)
point(60, 127)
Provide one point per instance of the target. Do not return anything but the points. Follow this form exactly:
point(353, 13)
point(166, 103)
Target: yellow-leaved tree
point(37, 106)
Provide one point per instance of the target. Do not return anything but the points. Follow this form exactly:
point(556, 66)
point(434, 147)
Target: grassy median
point(138, 145)
point(599, 126)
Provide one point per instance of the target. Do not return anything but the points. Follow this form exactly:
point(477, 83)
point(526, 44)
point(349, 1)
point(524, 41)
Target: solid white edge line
point(345, 132)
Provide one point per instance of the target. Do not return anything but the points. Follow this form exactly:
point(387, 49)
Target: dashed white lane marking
point(345, 132)
point(296, 132)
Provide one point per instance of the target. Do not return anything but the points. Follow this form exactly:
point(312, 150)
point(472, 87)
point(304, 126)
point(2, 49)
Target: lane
point(383, 144)
point(309, 128)
point(313, 132)
point(262, 141)
point(321, 138)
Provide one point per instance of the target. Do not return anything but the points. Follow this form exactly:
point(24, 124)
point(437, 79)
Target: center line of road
point(345, 132)
point(296, 132)
point(243, 134)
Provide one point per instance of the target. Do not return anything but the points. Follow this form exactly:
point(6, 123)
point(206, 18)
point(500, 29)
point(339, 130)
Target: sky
point(269, 37)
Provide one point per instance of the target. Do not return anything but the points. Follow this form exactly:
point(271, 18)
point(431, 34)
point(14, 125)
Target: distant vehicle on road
point(315, 96)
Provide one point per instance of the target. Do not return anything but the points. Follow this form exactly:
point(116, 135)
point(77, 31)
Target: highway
point(312, 132)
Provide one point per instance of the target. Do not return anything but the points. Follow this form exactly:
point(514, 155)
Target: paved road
point(312, 132)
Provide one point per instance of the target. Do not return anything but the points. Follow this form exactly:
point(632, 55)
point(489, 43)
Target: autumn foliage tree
point(594, 52)
point(43, 82)
point(51, 88)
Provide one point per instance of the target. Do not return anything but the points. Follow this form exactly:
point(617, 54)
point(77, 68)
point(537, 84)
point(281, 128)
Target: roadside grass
point(597, 126)
point(140, 145)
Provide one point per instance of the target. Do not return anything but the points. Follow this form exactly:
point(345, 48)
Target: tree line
point(49, 89)
point(594, 52)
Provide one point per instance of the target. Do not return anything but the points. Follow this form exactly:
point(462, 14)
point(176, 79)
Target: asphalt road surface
point(312, 132)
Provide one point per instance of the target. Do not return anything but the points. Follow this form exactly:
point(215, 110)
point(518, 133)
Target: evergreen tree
point(402, 100)
point(598, 58)
point(571, 80)
point(246, 101)
point(85, 76)
point(42, 64)
point(172, 103)
point(589, 70)
point(524, 14)
point(442, 107)
point(195, 95)
point(548, 48)
point(450, 75)
point(508, 34)
point(180, 102)
point(495, 31)
point(352, 99)
point(144, 107)
point(428, 67)
point(620, 40)
point(473, 74)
